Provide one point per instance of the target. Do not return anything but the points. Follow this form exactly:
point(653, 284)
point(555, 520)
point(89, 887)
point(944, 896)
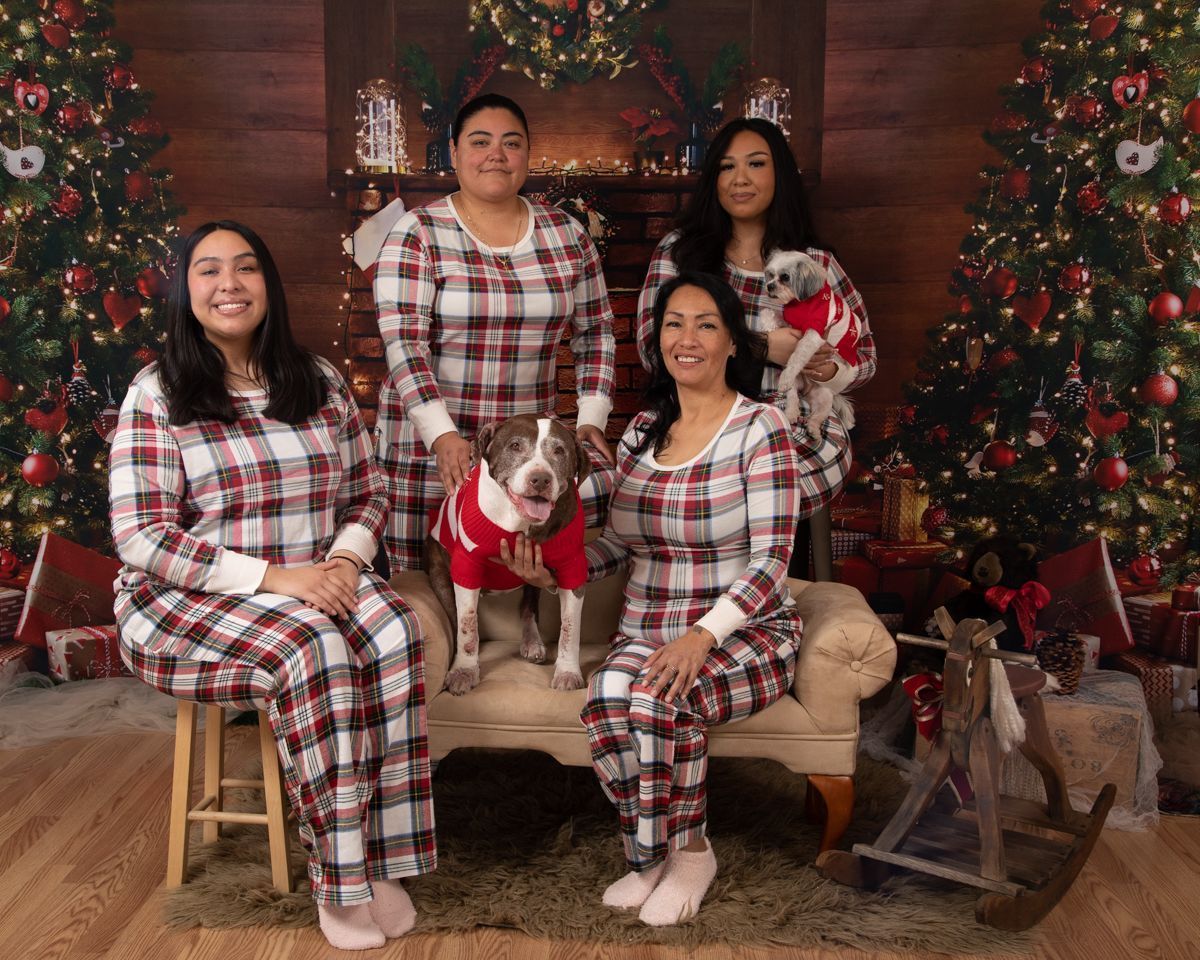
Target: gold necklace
point(504, 258)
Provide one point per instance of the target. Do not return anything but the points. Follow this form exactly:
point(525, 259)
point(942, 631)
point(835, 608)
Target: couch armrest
point(438, 642)
point(846, 654)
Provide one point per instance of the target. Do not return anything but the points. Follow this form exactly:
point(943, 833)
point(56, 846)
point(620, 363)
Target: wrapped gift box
point(903, 505)
point(861, 519)
point(11, 603)
point(848, 542)
point(1179, 637)
point(1084, 597)
point(1139, 611)
point(1168, 687)
point(1091, 659)
point(912, 554)
point(1186, 596)
point(84, 653)
point(874, 422)
point(14, 652)
point(1097, 733)
point(69, 586)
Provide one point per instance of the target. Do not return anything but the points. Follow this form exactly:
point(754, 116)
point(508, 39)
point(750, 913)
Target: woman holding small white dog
point(749, 202)
point(703, 515)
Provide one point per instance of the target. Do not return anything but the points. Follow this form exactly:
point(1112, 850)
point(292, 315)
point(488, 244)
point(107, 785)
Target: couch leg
point(838, 795)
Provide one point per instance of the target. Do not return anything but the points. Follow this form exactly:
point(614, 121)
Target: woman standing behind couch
point(474, 294)
point(750, 201)
point(246, 505)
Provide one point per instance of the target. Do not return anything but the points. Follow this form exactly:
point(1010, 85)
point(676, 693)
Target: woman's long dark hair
point(705, 228)
point(192, 370)
point(743, 371)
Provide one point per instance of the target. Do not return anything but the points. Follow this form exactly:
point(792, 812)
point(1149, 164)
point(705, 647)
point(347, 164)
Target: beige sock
point(349, 927)
point(633, 888)
point(392, 909)
point(677, 897)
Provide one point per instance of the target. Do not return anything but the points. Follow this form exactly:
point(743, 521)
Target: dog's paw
point(567, 680)
point(462, 680)
point(533, 649)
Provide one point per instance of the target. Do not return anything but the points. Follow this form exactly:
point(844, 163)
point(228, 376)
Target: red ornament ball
point(6, 389)
point(58, 36)
point(71, 13)
point(152, 283)
point(1074, 277)
point(1191, 115)
point(69, 202)
point(1083, 10)
point(1002, 358)
point(139, 188)
point(1087, 111)
point(39, 469)
point(1111, 473)
point(80, 278)
point(1000, 282)
point(933, 518)
point(1165, 466)
point(1037, 70)
point(1159, 389)
point(1101, 28)
point(999, 455)
point(1014, 184)
point(118, 77)
point(1165, 307)
point(1146, 570)
point(1091, 199)
point(10, 564)
point(1174, 208)
point(71, 117)
point(145, 355)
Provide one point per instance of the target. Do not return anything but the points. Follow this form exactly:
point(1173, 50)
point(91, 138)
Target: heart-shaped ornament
point(58, 36)
point(33, 97)
point(1136, 158)
point(1101, 28)
point(121, 309)
point(1099, 425)
point(1129, 91)
point(1032, 310)
point(48, 416)
point(26, 163)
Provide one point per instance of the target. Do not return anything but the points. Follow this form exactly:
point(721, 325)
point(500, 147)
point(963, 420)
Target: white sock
point(633, 888)
point(349, 927)
point(677, 897)
point(392, 909)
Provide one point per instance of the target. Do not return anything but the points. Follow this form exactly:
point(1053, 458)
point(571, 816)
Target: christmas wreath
point(573, 40)
point(585, 206)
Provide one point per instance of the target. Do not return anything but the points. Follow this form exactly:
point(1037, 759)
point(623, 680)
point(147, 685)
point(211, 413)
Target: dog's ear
point(483, 440)
point(583, 463)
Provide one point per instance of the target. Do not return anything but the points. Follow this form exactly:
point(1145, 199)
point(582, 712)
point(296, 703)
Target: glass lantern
point(769, 99)
point(381, 145)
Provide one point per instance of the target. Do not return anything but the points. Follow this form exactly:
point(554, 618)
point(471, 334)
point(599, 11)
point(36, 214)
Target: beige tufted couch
point(846, 656)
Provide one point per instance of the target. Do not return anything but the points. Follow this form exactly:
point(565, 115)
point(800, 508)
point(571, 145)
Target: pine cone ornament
point(1074, 392)
point(1062, 655)
point(78, 389)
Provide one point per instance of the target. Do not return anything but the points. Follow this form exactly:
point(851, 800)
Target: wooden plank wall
point(909, 84)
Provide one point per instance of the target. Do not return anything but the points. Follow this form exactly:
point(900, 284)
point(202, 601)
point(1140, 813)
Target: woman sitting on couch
point(703, 514)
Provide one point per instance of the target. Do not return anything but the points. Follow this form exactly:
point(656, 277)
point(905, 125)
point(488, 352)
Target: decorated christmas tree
point(1060, 402)
point(85, 226)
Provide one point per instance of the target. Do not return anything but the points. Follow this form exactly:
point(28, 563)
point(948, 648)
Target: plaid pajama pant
point(346, 701)
point(652, 756)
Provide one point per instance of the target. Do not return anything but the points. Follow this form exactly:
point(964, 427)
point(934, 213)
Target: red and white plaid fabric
point(825, 462)
point(472, 337)
point(197, 512)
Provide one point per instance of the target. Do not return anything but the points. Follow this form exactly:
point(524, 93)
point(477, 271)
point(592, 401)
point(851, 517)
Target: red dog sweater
point(823, 312)
point(471, 538)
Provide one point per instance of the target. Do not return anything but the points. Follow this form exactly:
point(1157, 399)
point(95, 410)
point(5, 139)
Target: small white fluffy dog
point(800, 286)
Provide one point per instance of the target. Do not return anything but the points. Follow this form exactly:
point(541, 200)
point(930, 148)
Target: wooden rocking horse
point(1024, 854)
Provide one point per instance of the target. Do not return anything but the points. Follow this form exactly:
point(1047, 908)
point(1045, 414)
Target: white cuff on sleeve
point(593, 411)
point(431, 420)
point(722, 619)
point(356, 539)
point(236, 573)
point(842, 377)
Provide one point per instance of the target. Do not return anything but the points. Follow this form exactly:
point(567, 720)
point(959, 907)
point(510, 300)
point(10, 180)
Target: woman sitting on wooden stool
point(246, 506)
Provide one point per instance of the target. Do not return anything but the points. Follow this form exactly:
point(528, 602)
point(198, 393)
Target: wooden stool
point(211, 808)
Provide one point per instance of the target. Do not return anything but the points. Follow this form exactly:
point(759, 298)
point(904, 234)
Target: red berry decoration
point(1159, 390)
point(999, 455)
point(1174, 208)
point(1037, 70)
point(120, 309)
point(69, 202)
point(1129, 91)
point(933, 518)
point(1165, 307)
point(80, 279)
point(1191, 115)
point(1146, 570)
point(1000, 283)
point(145, 355)
point(39, 469)
point(1014, 184)
point(152, 283)
point(1111, 473)
point(138, 187)
point(58, 36)
point(72, 116)
point(118, 77)
point(1091, 199)
point(1101, 28)
point(1074, 277)
point(71, 13)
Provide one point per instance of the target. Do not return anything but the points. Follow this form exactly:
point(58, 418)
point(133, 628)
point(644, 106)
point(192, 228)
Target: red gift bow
point(1026, 602)
point(925, 692)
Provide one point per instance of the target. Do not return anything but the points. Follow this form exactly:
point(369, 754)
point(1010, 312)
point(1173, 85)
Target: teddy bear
point(1003, 575)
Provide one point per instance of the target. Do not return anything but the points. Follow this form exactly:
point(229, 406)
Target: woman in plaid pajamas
point(474, 294)
point(702, 515)
point(750, 201)
point(247, 507)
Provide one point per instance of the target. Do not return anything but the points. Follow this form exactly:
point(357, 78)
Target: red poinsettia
point(648, 126)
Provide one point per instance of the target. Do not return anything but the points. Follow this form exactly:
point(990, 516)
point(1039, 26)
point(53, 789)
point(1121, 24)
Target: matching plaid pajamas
point(824, 463)
point(198, 513)
point(472, 335)
point(707, 542)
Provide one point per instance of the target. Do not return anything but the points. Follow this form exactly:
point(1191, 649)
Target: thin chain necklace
point(504, 258)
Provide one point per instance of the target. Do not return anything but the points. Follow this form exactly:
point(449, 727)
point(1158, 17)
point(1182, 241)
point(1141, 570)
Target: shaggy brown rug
point(528, 844)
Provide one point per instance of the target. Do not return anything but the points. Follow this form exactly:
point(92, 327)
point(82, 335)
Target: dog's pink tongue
point(536, 508)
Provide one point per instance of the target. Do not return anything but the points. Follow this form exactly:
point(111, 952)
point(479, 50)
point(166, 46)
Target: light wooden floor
point(83, 849)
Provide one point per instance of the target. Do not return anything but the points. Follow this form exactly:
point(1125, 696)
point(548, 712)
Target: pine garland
point(438, 110)
point(703, 108)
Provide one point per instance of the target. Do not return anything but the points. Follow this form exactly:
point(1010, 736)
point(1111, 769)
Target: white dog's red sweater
point(471, 539)
point(831, 317)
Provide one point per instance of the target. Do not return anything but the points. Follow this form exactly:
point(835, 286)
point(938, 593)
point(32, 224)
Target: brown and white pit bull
point(526, 481)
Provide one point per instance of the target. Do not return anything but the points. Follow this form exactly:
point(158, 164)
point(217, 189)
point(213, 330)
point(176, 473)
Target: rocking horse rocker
point(1025, 855)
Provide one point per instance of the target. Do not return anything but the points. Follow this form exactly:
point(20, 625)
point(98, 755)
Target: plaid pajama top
point(207, 506)
point(707, 541)
point(471, 339)
point(824, 463)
